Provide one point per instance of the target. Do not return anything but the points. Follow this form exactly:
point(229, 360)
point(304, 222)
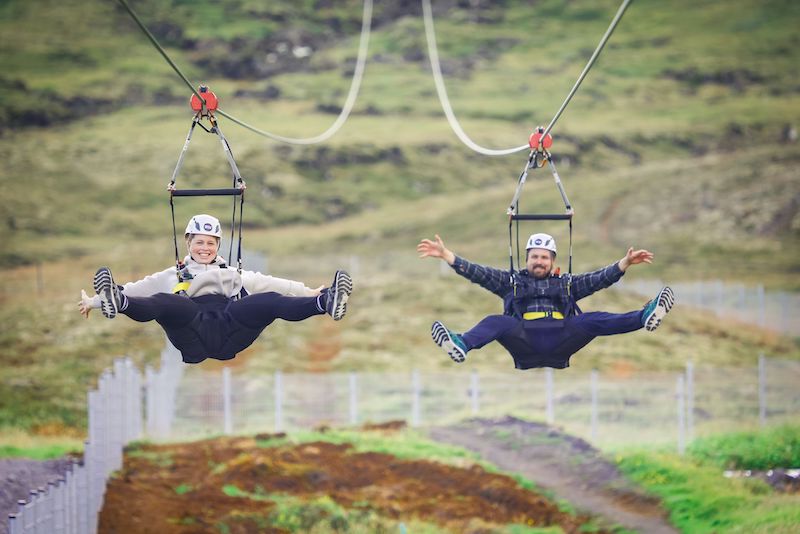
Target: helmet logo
point(538, 242)
point(207, 227)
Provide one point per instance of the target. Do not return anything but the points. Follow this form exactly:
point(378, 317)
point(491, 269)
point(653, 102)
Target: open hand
point(85, 304)
point(639, 256)
point(432, 249)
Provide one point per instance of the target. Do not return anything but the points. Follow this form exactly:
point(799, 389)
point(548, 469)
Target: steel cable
point(352, 95)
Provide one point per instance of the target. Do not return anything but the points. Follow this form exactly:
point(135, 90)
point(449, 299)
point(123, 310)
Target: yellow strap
point(181, 286)
point(530, 316)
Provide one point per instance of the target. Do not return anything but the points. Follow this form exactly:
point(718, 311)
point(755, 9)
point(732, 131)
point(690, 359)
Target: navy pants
point(214, 326)
point(549, 342)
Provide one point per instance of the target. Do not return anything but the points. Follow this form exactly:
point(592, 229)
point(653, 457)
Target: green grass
point(42, 452)
point(768, 449)
point(323, 515)
point(700, 499)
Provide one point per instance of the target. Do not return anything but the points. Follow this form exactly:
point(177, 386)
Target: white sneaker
point(109, 292)
point(338, 294)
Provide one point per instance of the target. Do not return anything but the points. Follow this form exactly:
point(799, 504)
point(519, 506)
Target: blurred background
point(682, 140)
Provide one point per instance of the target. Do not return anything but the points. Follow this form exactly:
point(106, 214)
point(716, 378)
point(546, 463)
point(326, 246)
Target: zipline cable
point(603, 40)
point(433, 55)
point(436, 68)
point(160, 49)
point(355, 85)
point(352, 95)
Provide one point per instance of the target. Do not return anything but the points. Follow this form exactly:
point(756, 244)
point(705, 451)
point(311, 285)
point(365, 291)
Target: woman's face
point(203, 248)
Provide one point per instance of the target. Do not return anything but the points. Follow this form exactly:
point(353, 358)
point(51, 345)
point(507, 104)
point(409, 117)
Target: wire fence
point(71, 504)
point(611, 411)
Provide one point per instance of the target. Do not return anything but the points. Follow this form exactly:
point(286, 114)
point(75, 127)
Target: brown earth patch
point(178, 489)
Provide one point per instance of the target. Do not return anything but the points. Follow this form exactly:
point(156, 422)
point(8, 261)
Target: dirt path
point(569, 467)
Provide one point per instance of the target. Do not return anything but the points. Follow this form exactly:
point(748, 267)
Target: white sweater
point(212, 279)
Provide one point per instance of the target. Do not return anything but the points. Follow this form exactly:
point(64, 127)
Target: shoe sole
point(441, 336)
point(664, 302)
point(342, 288)
point(103, 284)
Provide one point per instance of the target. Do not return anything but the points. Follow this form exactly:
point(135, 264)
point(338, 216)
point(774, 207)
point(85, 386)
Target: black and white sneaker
point(656, 309)
point(450, 342)
point(110, 297)
point(338, 294)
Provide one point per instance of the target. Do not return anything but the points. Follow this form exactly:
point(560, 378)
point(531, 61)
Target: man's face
point(540, 263)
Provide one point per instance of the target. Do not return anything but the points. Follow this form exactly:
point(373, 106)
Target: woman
point(215, 312)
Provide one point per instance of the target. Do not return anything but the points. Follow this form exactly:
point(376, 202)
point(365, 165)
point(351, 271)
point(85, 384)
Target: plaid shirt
point(537, 295)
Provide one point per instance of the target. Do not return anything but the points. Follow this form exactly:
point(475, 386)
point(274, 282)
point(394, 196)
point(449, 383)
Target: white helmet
point(545, 241)
point(204, 224)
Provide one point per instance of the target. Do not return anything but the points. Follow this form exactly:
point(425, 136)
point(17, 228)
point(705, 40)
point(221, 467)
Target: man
point(541, 325)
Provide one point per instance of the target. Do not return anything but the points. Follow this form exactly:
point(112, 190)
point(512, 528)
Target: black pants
point(213, 326)
point(549, 342)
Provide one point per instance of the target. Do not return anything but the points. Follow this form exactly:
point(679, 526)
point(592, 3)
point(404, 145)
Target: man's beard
point(545, 274)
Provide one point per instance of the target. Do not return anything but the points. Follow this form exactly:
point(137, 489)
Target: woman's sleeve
point(160, 282)
point(254, 282)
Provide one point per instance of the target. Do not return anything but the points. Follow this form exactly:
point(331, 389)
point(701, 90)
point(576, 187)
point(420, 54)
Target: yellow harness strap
point(531, 316)
point(181, 286)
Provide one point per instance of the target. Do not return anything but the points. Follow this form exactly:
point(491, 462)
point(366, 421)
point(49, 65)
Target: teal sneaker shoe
point(452, 343)
point(656, 309)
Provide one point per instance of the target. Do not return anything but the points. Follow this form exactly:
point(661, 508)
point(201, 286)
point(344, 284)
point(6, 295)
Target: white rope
point(433, 55)
point(355, 85)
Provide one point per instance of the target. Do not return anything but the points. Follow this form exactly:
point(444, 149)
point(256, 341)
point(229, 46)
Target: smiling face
point(203, 248)
point(540, 263)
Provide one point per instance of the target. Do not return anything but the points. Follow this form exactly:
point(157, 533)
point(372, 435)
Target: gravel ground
point(19, 476)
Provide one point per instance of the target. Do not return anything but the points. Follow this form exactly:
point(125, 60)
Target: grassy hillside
point(679, 141)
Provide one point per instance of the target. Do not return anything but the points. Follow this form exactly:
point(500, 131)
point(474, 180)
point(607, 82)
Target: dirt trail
point(569, 467)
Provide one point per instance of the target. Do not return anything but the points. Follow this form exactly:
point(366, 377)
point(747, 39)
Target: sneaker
point(110, 297)
point(452, 343)
point(656, 309)
point(338, 293)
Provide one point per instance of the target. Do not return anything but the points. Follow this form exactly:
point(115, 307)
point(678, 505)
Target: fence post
point(593, 382)
point(549, 410)
point(474, 391)
point(679, 393)
point(689, 401)
point(58, 506)
point(762, 390)
point(416, 388)
point(353, 398)
point(278, 401)
point(226, 400)
point(762, 307)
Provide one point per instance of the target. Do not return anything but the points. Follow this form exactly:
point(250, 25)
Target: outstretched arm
point(585, 284)
point(633, 257)
point(489, 278)
point(435, 249)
